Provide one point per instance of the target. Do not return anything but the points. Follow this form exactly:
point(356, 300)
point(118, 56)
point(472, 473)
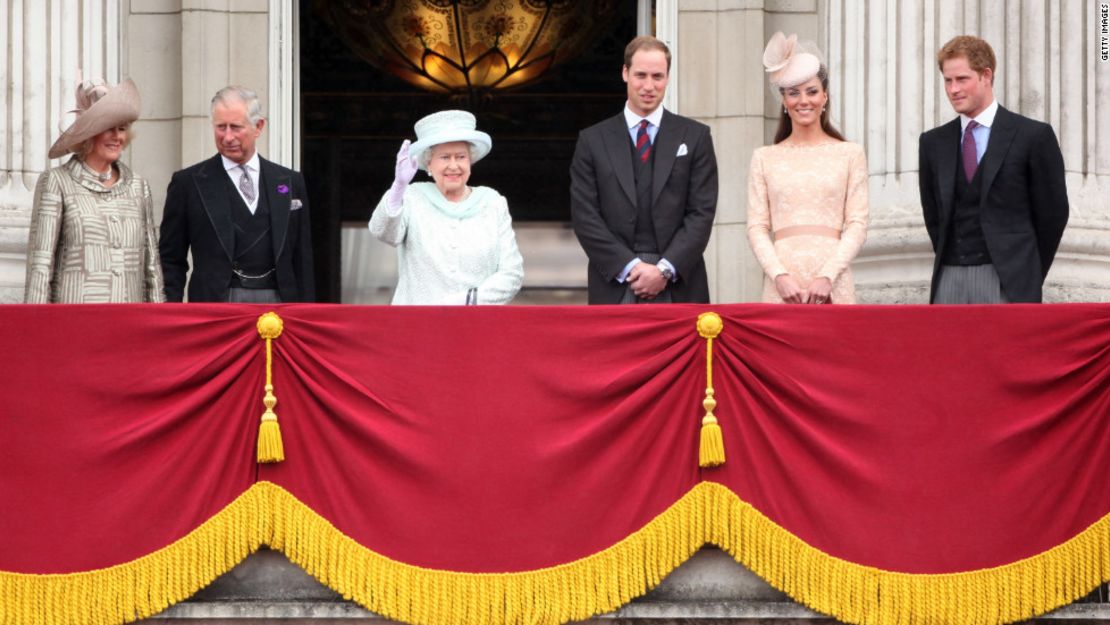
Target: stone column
point(181, 52)
point(154, 59)
point(886, 89)
point(222, 42)
point(720, 82)
point(44, 43)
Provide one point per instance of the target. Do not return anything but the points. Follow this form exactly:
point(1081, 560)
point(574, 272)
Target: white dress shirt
point(633, 121)
point(235, 174)
point(982, 133)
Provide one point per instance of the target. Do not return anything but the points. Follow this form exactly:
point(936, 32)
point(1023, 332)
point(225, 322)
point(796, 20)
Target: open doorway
point(354, 115)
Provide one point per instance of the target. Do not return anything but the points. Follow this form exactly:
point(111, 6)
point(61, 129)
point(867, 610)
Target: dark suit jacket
point(1023, 201)
point(197, 215)
point(684, 193)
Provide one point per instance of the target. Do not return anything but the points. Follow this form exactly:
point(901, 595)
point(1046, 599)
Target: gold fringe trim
point(574, 591)
point(599, 583)
point(145, 586)
point(869, 596)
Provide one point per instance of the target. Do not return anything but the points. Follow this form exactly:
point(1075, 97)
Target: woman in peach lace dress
point(807, 193)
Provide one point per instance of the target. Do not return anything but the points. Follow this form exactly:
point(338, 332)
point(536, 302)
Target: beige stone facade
point(884, 86)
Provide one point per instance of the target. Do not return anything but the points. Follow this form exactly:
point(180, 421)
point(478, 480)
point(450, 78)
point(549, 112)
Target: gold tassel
point(712, 448)
point(712, 452)
point(270, 448)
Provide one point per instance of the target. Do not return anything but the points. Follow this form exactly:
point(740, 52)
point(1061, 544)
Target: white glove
point(403, 174)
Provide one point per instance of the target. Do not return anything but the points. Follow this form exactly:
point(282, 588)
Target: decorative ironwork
point(467, 48)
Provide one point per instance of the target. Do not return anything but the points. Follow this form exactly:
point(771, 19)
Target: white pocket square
point(295, 205)
point(682, 151)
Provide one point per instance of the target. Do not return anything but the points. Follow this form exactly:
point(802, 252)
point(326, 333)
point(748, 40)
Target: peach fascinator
point(788, 62)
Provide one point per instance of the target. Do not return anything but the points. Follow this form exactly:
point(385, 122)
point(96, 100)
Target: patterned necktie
point(970, 157)
point(643, 142)
point(246, 185)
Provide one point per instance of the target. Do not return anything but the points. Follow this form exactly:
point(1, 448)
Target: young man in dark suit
point(644, 191)
point(992, 189)
point(244, 218)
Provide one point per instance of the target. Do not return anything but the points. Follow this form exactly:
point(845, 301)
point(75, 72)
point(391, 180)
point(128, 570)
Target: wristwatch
point(667, 272)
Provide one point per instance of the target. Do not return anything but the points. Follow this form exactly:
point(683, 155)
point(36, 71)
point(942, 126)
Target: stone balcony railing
point(710, 587)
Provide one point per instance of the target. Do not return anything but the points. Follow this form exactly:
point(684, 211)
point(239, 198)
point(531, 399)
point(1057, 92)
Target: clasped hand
point(792, 293)
point(646, 280)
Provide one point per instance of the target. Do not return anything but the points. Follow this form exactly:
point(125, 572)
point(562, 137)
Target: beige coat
point(90, 244)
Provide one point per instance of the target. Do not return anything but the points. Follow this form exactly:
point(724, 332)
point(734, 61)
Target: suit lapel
point(279, 192)
point(665, 150)
point(946, 167)
point(213, 195)
point(618, 145)
point(1002, 136)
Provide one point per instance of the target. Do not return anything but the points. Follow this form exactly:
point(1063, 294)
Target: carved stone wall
point(42, 46)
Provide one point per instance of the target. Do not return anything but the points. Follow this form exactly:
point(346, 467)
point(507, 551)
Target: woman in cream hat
point(807, 193)
point(455, 243)
point(93, 236)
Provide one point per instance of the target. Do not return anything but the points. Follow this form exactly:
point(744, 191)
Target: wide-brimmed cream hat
point(448, 127)
point(99, 108)
point(790, 63)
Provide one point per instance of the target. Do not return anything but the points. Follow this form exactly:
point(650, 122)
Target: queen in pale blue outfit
point(455, 243)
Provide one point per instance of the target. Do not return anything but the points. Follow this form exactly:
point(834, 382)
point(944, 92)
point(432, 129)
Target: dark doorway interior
point(355, 116)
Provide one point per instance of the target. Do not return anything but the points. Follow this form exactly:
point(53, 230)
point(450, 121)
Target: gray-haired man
point(245, 219)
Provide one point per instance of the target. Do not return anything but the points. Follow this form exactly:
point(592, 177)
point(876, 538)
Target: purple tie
point(643, 142)
point(971, 159)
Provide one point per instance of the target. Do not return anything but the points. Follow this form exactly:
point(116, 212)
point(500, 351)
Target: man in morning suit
point(992, 189)
point(643, 192)
point(244, 218)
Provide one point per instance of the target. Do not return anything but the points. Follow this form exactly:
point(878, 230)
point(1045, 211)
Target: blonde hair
point(86, 147)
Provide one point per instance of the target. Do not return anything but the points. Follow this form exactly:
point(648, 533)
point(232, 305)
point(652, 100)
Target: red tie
point(970, 157)
point(643, 142)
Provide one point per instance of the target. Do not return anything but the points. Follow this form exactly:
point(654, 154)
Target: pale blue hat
point(448, 127)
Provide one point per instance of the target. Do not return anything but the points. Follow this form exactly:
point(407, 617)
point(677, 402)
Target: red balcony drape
point(512, 465)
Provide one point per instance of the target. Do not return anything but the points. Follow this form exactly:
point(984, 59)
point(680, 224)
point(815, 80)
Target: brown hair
point(978, 53)
point(645, 42)
point(786, 126)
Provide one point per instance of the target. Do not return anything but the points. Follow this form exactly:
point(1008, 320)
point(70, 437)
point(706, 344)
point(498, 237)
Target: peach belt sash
point(817, 231)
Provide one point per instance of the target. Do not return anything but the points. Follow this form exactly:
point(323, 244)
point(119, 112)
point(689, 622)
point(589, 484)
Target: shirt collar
point(631, 119)
point(252, 164)
point(986, 118)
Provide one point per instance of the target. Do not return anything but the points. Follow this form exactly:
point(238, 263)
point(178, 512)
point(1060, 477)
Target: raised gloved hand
point(403, 174)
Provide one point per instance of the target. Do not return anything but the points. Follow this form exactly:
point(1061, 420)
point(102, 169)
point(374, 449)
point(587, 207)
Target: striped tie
point(246, 185)
point(643, 142)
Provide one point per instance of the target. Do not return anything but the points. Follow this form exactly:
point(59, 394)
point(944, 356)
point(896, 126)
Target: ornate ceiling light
point(467, 48)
